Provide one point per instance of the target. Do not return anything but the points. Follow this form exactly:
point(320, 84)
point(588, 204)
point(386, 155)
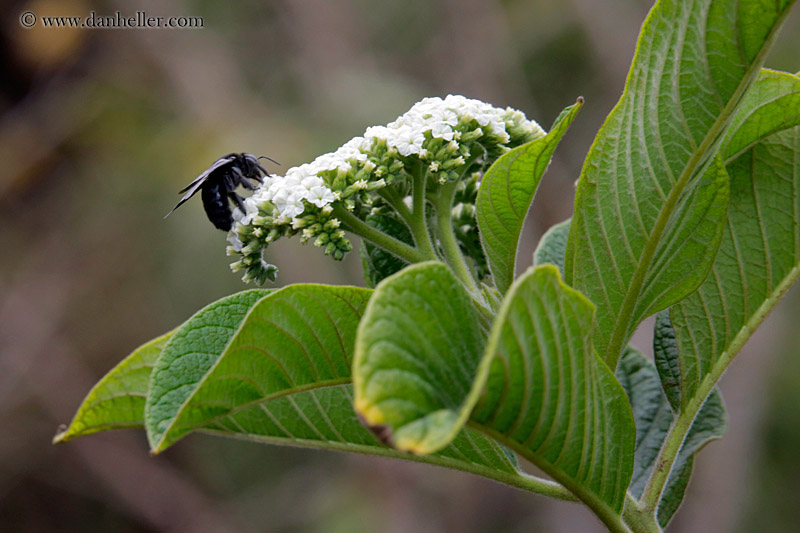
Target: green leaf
point(551, 399)
point(771, 105)
point(377, 263)
point(506, 193)
point(665, 348)
point(653, 177)
point(296, 337)
point(654, 417)
point(758, 260)
point(320, 416)
point(117, 400)
point(418, 348)
point(552, 247)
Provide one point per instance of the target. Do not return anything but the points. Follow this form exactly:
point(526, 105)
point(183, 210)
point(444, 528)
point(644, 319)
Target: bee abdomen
point(215, 202)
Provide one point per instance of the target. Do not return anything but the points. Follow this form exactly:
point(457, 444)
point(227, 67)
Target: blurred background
point(100, 128)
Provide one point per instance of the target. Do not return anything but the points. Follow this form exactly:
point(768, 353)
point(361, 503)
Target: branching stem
point(398, 248)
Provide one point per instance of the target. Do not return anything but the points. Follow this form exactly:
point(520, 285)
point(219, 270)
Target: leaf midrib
point(267, 398)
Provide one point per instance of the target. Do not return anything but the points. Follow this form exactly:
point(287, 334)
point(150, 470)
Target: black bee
point(219, 182)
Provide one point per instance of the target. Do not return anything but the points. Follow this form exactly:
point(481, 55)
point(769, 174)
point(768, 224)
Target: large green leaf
point(117, 400)
point(418, 349)
point(300, 336)
point(649, 209)
point(551, 399)
point(758, 260)
point(506, 193)
point(316, 415)
point(654, 417)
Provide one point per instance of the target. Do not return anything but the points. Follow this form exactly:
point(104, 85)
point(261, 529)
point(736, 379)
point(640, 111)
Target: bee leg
point(240, 179)
point(237, 176)
point(238, 200)
point(262, 169)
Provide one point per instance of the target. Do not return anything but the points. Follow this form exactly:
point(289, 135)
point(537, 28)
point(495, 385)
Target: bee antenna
point(268, 159)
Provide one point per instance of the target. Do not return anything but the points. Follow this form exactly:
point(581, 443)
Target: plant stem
point(418, 222)
point(638, 518)
point(612, 520)
point(398, 248)
point(683, 423)
point(447, 237)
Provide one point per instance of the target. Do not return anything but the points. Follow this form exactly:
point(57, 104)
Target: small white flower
point(497, 126)
point(442, 130)
point(288, 203)
point(409, 141)
point(246, 217)
point(320, 196)
point(311, 182)
point(378, 132)
point(235, 242)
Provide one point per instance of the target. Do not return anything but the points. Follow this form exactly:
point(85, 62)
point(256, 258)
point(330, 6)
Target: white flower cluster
point(440, 117)
point(444, 133)
point(303, 183)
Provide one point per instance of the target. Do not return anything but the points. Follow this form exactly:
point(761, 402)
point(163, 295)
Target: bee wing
point(202, 177)
point(195, 185)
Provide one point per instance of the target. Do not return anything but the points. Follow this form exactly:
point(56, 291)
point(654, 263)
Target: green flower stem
point(417, 225)
point(447, 237)
point(393, 199)
point(400, 249)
